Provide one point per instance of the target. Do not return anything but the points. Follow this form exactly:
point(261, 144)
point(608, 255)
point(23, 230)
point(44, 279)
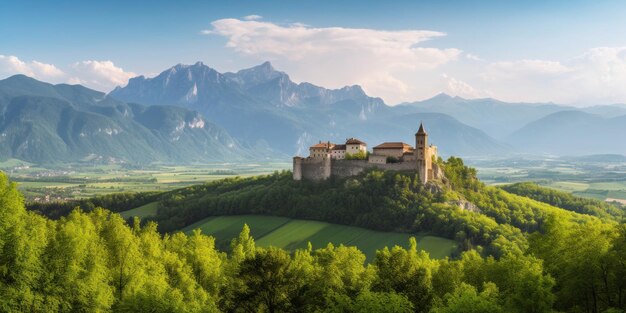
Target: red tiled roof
point(354, 141)
point(323, 145)
point(393, 145)
point(339, 147)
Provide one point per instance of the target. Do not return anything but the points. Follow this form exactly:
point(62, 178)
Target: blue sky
point(513, 50)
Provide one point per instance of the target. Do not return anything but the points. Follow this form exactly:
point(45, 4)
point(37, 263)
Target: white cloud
point(252, 17)
point(396, 65)
point(12, 65)
point(457, 87)
point(472, 57)
point(527, 67)
point(337, 56)
point(99, 75)
point(597, 76)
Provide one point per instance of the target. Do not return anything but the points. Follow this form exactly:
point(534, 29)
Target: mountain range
point(573, 133)
point(263, 106)
point(193, 113)
point(47, 123)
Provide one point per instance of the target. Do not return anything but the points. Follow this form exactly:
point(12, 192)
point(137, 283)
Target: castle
point(327, 159)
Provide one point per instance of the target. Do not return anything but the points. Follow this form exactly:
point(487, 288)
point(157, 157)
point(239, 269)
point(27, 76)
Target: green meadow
point(291, 234)
point(142, 211)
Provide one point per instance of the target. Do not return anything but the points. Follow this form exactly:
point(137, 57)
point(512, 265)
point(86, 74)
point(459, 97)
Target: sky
point(570, 52)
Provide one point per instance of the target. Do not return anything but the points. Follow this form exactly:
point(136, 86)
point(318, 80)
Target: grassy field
point(292, 234)
point(142, 211)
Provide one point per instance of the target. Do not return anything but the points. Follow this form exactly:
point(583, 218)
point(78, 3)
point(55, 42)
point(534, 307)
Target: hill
point(46, 123)
point(529, 253)
point(263, 106)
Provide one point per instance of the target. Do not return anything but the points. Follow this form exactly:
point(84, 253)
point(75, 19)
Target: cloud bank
point(99, 75)
point(398, 66)
point(337, 56)
point(10, 65)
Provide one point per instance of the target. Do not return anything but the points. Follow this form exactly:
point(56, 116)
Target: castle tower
point(297, 168)
point(422, 154)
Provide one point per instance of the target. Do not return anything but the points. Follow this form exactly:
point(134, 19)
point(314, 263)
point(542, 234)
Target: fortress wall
point(297, 168)
point(402, 166)
point(315, 169)
point(320, 169)
point(347, 168)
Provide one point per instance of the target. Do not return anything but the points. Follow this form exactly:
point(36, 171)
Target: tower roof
point(421, 131)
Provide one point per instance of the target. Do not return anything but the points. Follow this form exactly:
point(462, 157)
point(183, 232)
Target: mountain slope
point(47, 123)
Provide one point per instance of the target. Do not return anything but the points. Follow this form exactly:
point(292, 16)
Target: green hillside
point(292, 234)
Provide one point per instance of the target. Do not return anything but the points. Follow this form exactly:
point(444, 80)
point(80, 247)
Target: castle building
point(327, 159)
point(393, 149)
point(323, 150)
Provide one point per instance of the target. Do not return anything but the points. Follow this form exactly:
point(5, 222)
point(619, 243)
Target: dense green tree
point(383, 302)
point(584, 258)
point(342, 270)
point(270, 283)
point(406, 272)
point(466, 299)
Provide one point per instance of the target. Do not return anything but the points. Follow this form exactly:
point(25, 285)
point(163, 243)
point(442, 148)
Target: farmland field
point(74, 181)
point(293, 234)
point(595, 178)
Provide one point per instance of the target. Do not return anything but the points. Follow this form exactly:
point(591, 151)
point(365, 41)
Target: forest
point(517, 253)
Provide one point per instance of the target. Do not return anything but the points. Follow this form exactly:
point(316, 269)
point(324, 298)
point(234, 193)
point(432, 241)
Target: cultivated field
point(292, 234)
point(73, 181)
point(602, 180)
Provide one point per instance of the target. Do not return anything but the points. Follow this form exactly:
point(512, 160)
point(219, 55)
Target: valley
point(64, 182)
point(600, 177)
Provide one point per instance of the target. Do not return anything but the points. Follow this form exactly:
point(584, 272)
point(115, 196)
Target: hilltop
point(460, 207)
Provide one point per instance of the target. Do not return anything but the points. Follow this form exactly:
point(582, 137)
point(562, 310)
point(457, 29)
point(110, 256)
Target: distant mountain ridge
point(495, 117)
point(573, 133)
point(193, 113)
point(262, 106)
point(47, 123)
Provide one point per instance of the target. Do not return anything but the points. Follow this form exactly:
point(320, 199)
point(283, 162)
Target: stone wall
point(379, 159)
point(312, 169)
point(347, 168)
point(316, 169)
point(297, 168)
